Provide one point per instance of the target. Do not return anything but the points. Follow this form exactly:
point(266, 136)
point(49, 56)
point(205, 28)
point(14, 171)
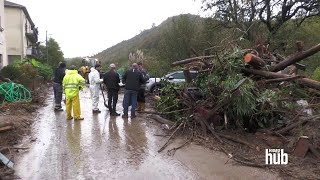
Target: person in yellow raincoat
point(72, 83)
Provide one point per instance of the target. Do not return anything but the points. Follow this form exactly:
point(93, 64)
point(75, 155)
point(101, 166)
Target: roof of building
point(23, 8)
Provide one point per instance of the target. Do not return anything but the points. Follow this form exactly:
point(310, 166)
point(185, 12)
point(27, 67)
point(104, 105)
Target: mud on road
point(104, 147)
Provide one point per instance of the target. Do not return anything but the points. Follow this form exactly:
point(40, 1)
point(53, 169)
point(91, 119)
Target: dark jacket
point(145, 76)
point(133, 79)
point(111, 79)
point(59, 75)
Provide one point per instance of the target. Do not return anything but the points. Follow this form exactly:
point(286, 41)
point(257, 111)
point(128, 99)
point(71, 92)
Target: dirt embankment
point(17, 118)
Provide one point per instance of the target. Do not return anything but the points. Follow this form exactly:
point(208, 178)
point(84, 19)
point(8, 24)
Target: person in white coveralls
point(95, 81)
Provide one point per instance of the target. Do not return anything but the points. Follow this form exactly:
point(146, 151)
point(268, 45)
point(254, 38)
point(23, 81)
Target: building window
point(13, 58)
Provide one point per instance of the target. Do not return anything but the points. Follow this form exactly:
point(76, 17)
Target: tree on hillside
point(272, 13)
point(177, 40)
point(55, 55)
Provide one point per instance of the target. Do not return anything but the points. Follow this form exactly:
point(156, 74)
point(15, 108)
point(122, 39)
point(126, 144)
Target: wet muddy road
point(104, 147)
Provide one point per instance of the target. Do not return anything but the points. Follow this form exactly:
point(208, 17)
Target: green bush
point(11, 71)
point(29, 73)
point(316, 74)
point(44, 70)
point(25, 71)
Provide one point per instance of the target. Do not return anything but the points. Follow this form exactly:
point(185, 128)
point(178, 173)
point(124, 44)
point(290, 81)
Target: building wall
point(3, 48)
point(14, 31)
point(23, 33)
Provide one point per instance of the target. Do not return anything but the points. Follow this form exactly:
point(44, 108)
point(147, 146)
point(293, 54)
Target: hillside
point(147, 41)
point(173, 38)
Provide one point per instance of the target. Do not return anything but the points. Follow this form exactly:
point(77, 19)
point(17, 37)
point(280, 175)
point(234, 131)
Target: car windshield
point(180, 75)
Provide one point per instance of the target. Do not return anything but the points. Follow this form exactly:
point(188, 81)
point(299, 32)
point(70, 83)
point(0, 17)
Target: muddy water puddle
point(104, 147)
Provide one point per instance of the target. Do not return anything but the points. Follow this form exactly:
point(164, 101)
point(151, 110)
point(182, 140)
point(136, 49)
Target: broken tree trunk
point(187, 75)
point(161, 120)
point(295, 58)
point(234, 139)
point(282, 79)
point(303, 81)
point(254, 60)
point(189, 60)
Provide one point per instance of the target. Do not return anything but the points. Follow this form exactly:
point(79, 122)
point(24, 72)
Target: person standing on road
point(132, 79)
point(59, 74)
point(95, 81)
point(72, 83)
point(112, 79)
point(141, 94)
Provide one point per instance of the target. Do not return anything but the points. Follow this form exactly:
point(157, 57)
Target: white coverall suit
point(95, 81)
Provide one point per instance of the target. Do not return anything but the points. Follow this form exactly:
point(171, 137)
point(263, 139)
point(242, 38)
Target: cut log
point(309, 83)
point(189, 60)
point(282, 79)
point(295, 58)
point(254, 60)
point(303, 81)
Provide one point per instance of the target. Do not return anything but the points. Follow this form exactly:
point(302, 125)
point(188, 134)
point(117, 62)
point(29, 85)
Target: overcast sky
point(86, 27)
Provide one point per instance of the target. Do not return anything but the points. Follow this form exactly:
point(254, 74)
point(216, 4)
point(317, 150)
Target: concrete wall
point(14, 34)
point(3, 48)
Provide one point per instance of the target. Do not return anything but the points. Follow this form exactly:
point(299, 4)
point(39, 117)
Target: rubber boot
point(142, 107)
point(114, 112)
point(110, 110)
point(139, 107)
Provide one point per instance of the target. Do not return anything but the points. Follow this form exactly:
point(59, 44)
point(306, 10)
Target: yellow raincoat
point(72, 83)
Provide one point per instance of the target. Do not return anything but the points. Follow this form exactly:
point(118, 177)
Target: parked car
point(174, 77)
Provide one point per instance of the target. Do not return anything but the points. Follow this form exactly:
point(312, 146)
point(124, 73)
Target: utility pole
point(47, 45)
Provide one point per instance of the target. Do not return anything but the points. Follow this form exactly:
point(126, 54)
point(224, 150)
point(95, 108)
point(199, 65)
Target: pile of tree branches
point(248, 89)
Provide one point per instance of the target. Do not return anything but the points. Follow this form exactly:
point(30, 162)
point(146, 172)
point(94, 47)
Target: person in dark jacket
point(57, 85)
point(141, 94)
point(132, 79)
point(112, 79)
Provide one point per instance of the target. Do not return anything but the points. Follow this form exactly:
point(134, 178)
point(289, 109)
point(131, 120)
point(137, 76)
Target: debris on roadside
point(245, 92)
point(16, 119)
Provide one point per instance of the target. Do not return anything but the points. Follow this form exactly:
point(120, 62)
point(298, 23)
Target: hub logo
point(276, 156)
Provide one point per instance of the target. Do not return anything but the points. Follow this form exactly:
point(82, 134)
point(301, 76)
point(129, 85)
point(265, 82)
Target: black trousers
point(141, 95)
point(57, 90)
point(112, 98)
